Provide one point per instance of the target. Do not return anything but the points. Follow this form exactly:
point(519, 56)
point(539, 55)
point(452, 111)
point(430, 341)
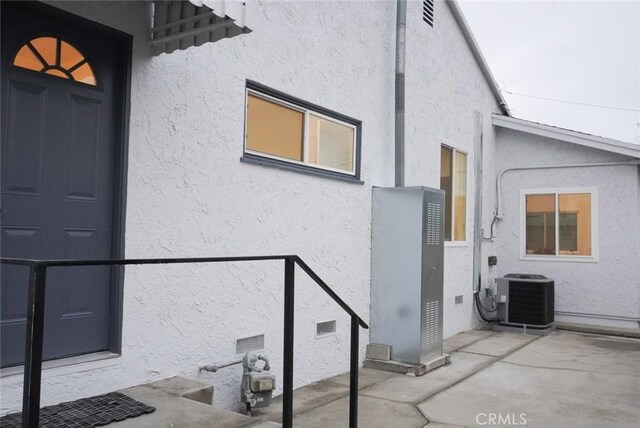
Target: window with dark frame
point(285, 130)
point(453, 180)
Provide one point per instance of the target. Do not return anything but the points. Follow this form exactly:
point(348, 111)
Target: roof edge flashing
point(477, 53)
point(576, 137)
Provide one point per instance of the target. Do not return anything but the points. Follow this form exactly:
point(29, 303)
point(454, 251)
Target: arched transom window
point(54, 56)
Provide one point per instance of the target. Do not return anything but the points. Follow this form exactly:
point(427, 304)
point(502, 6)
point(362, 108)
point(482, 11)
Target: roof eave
point(562, 134)
point(475, 49)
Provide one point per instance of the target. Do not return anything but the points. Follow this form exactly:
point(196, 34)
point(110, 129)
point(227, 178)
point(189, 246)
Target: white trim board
point(561, 134)
point(593, 258)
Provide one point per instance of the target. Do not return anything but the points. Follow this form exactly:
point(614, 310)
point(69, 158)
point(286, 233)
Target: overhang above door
point(181, 24)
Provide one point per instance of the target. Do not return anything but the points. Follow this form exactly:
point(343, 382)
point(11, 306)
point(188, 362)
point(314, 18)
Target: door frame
point(122, 101)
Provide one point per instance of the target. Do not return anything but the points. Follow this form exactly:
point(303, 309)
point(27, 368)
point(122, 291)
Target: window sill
point(457, 244)
point(570, 259)
point(64, 366)
point(275, 163)
point(323, 336)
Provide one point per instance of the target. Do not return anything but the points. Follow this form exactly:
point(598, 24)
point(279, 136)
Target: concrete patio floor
point(563, 380)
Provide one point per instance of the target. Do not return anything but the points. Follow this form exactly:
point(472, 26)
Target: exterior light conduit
point(498, 212)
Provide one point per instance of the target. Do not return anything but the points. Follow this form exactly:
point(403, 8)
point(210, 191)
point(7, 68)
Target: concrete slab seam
point(493, 333)
point(478, 353)
point(484, 366)
point(345, 395)
point(546, 368)
point(444, 424)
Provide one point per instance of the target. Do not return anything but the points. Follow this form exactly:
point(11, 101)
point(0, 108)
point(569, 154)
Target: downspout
point(639, 244)
point(401, 38)
point(477, 215)
point(498, 211)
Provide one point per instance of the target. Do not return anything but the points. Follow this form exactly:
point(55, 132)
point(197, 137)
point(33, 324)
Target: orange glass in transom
point(55, 57)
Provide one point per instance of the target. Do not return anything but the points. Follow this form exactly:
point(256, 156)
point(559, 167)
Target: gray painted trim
point(300, 102)
point(67, 362)
point(119, 227)
point(475, 49)
point(275, 163)
point(261, 160)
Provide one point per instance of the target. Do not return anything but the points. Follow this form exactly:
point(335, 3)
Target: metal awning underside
point(181, 24)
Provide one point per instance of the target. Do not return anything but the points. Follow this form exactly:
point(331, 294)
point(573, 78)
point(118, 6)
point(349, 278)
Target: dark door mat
point(87, 412)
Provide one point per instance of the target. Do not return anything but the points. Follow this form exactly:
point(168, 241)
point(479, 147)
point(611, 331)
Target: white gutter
point(475, 49)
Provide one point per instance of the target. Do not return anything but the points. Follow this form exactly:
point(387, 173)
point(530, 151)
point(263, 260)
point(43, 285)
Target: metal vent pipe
point(401, 38)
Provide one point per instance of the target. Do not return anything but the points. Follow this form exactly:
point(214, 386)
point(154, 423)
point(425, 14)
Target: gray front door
point(61, 136)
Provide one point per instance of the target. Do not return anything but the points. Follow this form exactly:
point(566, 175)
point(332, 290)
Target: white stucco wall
point(444, 87)
point(607, 288)
point(189, 194)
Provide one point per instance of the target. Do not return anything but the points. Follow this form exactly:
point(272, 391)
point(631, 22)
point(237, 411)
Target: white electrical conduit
point(498, 213)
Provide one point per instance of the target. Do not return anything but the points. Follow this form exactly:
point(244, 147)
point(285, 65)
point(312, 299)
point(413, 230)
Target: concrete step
point(184, 403)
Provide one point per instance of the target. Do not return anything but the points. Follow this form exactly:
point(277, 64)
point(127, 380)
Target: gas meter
point(257, 384)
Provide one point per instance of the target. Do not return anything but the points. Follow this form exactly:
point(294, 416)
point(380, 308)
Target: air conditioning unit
point(525, 301)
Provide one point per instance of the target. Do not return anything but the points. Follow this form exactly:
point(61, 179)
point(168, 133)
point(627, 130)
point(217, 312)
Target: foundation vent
point(247, 344)
point(325, 328)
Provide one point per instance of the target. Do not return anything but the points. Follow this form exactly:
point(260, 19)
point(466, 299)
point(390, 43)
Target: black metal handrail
point(35, 326)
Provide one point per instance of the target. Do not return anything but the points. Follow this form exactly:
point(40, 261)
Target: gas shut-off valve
point(257, 384)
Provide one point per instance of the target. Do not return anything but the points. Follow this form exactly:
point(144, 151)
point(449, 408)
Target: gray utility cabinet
point(407, 258)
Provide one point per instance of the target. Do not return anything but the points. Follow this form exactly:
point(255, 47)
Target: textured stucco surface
point(444, 87)
point(608, 287)
point(189, 195)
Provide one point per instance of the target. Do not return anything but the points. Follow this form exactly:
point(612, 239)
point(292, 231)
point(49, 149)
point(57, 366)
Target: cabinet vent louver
point(433, 229)
point(427, 11)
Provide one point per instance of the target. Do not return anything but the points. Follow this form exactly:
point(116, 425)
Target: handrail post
point(287, 383)
point(33, 346)
point(35, 326)
point(353, 374)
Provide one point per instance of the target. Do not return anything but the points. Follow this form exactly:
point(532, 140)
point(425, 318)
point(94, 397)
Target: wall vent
point(459, 299)
point(325, 328)
point(248, 344)
point(427, 11)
